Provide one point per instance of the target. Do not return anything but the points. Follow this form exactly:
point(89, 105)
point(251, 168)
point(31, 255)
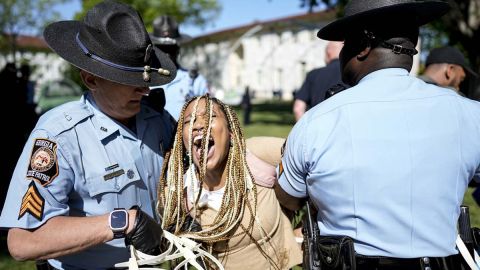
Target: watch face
point(118, 220)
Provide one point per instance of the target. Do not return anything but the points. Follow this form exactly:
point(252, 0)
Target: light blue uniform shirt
point(387, 162)
point(181, 89)
point(96, 165)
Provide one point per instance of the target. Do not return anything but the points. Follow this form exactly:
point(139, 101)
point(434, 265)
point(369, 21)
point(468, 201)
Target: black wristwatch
point(118, 222)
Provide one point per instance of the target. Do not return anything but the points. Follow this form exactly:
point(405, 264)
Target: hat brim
point(178, 40)
point(470, 71)
point(60, 37)
point(423, 13)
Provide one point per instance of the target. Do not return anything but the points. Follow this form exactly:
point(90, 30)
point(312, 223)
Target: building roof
point(32, 42)
point(313, 20)
point(28, 43)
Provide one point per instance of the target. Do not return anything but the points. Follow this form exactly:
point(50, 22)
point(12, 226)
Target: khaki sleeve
point(266, 148)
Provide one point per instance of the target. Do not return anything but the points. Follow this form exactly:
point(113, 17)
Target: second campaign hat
point(359, 12)
point(112, 43)
point(449, 55)
point(166, 32)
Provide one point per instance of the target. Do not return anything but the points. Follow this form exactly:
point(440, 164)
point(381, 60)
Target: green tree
point(19, 17)
point(461, 27)
point(194, 12)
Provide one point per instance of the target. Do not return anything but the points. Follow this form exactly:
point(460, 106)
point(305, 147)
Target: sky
point(234, 13)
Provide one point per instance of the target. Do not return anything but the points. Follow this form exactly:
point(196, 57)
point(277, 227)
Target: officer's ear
point(365, 45)
point(362, 55)
point(89, 79)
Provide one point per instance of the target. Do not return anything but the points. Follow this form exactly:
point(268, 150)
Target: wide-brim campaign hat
point(381, 12)
point(166, 32)
point(112, 43)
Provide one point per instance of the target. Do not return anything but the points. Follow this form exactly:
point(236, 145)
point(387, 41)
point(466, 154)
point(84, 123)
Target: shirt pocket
point(112, 181)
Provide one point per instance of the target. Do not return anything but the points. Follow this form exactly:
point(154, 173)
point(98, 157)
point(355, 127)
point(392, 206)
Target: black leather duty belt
point(453, 262)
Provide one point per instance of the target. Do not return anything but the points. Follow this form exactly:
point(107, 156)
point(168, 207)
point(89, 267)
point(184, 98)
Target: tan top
point(266, 148)
point(275, 236)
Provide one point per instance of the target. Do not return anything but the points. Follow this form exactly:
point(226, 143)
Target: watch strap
point(117, 235)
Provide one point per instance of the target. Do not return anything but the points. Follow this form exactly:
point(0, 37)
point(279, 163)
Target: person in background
point(446, 67)
point(246, 105)
point(167, 37)
point(386, 162)
point(318, 81)
point(28, 85)
point(85, 183)
point(15, 137)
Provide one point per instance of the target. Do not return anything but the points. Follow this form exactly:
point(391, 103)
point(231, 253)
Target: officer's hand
point(146, 234)
point(190, 225)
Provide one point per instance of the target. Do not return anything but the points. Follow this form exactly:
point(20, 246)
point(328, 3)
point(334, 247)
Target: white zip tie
point(184, 247)
point(466, 254)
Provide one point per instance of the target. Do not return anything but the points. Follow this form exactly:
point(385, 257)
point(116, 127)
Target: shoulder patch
point(32, 202)
point(43, 165)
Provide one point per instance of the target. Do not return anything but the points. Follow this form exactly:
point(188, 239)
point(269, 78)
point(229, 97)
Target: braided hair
point(238, 185)
point(172, 205)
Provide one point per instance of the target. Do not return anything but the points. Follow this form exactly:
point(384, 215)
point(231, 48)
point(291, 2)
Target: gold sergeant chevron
point(32, 202)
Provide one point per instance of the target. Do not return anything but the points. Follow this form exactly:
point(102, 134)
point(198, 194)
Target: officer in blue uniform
point(87, 163)
point(387, 161)
point(187, 84)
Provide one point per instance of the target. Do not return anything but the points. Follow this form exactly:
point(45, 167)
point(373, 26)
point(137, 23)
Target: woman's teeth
point(197, 140)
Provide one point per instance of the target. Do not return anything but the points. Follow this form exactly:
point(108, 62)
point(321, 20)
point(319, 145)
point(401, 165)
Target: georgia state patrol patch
point(32, 202)
point(43, 165)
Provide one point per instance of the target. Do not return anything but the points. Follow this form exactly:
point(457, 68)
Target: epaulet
point(64, 117)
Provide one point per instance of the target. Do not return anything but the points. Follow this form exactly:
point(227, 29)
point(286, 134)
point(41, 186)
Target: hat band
point(398, 49)
point(145, 69)
point(167, 40)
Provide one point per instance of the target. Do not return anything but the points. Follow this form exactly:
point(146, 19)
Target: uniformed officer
point(387, 161)
point(167, 37)
point(86, 163)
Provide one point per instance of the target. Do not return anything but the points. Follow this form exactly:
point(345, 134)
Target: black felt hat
point(166, 32)
point(381, 12)
point(449, 55)
point(112, 43)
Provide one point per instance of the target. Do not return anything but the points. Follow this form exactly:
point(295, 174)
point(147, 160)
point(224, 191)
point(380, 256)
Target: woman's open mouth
point(197, 146)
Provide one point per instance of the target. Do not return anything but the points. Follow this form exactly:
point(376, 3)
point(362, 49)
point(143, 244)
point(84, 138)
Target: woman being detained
point(207, 177)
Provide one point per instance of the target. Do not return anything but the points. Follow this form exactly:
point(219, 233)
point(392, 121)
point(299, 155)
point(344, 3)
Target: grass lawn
point(267, 119)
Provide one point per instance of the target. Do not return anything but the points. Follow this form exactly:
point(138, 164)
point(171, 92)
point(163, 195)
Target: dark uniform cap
point(449, 55)
point(112, 43)
point(165, 32)
point(359, 13)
